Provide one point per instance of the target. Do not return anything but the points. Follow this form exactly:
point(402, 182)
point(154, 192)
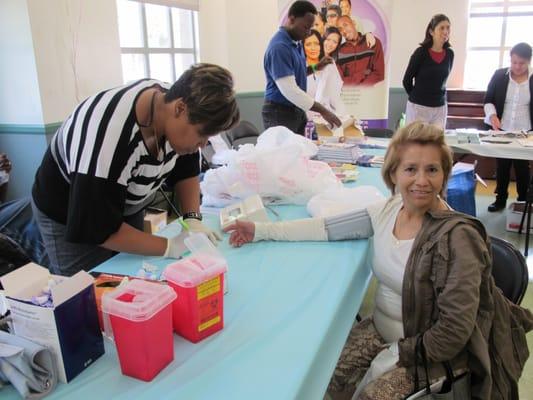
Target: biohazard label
point(208, 288)
point(209, 295)
point(209, 323)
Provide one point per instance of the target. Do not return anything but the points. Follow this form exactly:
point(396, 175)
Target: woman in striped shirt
point(115, 150)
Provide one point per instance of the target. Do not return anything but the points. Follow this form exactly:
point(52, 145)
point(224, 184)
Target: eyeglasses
point(331, 16)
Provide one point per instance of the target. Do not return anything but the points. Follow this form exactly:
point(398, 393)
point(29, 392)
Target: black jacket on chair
point(497, 91)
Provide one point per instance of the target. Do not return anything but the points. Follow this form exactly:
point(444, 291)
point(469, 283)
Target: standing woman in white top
point(508, 107)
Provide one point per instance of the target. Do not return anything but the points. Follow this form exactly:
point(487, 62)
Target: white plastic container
point(514, 216)
point(250, 209)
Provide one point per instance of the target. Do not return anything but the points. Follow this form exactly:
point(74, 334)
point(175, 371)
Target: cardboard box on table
point(154, 220)
point(70, 328)
point(349, 128)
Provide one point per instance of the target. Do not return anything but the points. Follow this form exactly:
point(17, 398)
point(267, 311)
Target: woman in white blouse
point(323, 85)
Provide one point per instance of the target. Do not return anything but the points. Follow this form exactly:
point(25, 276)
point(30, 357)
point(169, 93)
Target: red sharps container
point(198, 310)
point(140, 315)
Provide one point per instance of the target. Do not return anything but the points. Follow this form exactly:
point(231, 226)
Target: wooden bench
point(465, 109)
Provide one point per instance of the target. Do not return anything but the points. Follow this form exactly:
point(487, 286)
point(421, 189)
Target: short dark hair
point(522, 50)
point(207, 90)
point(300, 8)
point(428, 39)
point(336, 8)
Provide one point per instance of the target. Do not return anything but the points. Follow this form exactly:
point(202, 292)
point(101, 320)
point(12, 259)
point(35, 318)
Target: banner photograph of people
point(356, 35)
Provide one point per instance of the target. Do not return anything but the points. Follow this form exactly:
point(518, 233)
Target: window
point(156, 41)
point(494, 27)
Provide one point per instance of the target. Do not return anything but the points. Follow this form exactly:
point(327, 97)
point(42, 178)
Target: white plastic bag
point(341, 200)
point(384, 362)
point(277, 168)
point(279, 137)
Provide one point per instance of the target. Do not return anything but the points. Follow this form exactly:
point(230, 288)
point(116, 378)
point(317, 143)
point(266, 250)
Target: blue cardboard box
point(69, 328)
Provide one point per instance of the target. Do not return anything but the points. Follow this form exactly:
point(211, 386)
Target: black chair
point(527, 211)
point(509, 269)
point(12, 255)
point(244, 132)
point(379, 132)
point(208, 152)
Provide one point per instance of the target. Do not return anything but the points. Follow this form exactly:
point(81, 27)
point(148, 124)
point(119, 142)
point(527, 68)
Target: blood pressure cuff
point(351, 225)
point(28, 366)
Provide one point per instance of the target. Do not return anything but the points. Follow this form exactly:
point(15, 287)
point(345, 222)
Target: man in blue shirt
point(286, 101)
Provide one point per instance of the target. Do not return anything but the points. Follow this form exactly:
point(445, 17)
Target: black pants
point(503, 173)
point(292, 117)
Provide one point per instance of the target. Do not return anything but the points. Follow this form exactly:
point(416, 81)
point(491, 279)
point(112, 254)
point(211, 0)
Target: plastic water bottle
point(309, 130)
point(401, 122)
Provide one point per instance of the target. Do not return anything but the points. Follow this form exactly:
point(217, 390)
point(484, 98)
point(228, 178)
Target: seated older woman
point(433, 267)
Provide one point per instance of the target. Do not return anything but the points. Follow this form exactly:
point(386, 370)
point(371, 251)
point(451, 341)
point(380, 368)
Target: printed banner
point(359, 41)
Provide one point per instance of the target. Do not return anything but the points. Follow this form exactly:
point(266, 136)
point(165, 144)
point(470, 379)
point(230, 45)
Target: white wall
point(19, 99)
point(213, 24)
point(77, 51)
point(235, 33)
point(75, 48)
point(409, 22)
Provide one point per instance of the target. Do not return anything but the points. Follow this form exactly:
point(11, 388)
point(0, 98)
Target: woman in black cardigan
point(508, 107)
point(426, 75)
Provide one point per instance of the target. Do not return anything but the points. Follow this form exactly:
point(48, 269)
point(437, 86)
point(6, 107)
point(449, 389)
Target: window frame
point(146, 50)
point(505, 13)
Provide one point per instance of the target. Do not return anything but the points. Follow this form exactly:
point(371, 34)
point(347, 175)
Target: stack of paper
point(339, 152)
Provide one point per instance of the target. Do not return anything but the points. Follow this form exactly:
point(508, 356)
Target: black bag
point(453, 388)
point(12, 256)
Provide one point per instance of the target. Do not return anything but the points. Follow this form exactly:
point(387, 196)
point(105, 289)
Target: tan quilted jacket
point(450, 297)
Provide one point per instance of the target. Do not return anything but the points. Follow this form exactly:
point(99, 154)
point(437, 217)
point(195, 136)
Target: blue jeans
point(67, 258)
point(17, 222)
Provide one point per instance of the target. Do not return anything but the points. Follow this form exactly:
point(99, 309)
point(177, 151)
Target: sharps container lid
point(204, 263)
point(138, 300)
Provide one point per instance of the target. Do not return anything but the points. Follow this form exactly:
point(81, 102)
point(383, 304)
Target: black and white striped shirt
point(97, 168)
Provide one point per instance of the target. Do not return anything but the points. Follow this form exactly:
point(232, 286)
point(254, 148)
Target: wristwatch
point(193, 214)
